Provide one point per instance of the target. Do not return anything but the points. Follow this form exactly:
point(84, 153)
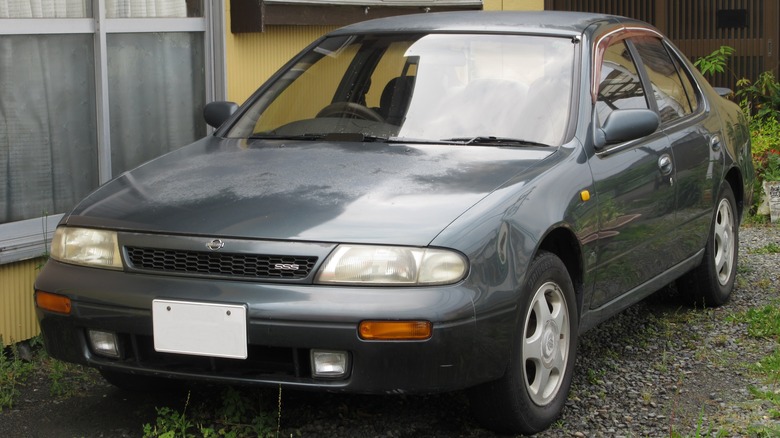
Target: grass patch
point(67, 379)
point(22, 361)
point(762, 322)
point(770, 248)
point(236, 413)
point(13, 373)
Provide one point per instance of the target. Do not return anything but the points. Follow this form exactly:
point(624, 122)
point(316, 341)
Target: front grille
point(261, 363)
point(255, 266)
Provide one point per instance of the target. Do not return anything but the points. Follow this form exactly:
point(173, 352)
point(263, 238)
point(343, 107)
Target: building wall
point(751, 27)
point(17, 309)
point(251, 58)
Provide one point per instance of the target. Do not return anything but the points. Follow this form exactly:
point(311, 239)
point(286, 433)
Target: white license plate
point(202, 329)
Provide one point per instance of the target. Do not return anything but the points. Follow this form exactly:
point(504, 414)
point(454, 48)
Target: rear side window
point(619, 86)
point(672, 90)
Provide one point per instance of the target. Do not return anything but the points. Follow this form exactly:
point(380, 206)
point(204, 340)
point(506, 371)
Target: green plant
point(170, 423)
point(66, 379)
point(768, 165)
point(715, 62)
point(764, 138)
point(236, 413)
point(762, 322)
point(770, 248)
point(13, 373)
point(760, 99)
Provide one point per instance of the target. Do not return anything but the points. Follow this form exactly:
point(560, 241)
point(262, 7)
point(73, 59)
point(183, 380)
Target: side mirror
point(215, 113)
point(625, 125)
point(723, 92)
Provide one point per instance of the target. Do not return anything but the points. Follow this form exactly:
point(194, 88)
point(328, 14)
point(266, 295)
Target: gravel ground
point(658, 369)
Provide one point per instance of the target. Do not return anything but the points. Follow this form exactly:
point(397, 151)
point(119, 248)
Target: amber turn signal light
point(52, 302)
point(395, 330)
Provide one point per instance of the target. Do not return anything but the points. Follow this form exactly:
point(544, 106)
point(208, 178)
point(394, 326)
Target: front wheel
point(534, 388)
point(712, 281)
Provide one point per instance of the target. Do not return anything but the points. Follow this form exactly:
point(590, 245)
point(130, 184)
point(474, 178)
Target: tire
point(710, 284)
point(139, 382)
point(531, 394)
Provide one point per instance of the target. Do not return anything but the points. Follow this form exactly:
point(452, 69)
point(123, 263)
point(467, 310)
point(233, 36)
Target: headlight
point(387, 265)
point(83, 246)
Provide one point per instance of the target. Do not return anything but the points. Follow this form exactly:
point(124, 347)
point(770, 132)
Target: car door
point(695, 139)
point(634, 182)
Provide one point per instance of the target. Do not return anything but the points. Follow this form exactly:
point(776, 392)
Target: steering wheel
point(350, 109)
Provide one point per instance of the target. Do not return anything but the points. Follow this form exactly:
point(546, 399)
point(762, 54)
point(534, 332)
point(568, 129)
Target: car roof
point(536, 22)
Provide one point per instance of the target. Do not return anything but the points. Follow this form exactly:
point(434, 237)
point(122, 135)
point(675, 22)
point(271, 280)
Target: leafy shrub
point(760, 99)
point(768, 165)
point(715, 62)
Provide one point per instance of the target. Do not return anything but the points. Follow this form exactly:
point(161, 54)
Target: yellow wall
point(251, 58)
point(513, 5)
point(17, 309)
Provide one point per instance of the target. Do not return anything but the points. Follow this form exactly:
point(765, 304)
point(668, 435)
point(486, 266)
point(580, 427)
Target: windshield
point(435, 87)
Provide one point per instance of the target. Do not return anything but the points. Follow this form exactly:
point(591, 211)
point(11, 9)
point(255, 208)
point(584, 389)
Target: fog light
point(104, 343)
point(329, 364)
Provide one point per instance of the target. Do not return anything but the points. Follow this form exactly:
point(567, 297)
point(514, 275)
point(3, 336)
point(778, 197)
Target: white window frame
point(30, 238)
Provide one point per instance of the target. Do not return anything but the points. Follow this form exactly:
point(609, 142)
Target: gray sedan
point(426, 203)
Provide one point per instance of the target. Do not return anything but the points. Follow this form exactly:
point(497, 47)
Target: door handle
point(665, 164)
point(715, 143)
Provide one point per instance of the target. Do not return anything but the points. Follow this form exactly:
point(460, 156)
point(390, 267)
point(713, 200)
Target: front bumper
point(284, 323)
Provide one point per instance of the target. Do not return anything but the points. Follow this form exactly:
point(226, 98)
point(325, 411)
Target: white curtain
point(48, 146)
point(156, 95)
point(42, 8)
point(145, 8)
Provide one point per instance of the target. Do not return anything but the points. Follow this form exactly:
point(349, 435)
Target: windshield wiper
point(347, 136)
point(327, 136)
point(411, 140)
point(262, 136)
point(491, 140)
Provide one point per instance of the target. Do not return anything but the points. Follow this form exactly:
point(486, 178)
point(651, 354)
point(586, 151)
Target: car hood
point(304, 190)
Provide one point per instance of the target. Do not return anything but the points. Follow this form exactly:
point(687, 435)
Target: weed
point(763, 431)
point(170, 423)
point(663, 365)
point(239, 413)
point(13, 373)
point(771, 248)
point(594, 377)
point(762, 322)
point(66, 379)
point(770, 366)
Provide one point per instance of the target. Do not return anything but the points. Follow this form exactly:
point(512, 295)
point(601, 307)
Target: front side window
point(620, 86)
point(434, 87)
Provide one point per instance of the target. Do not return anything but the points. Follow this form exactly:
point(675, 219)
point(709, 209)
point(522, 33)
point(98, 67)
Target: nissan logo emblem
point(215, 244)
